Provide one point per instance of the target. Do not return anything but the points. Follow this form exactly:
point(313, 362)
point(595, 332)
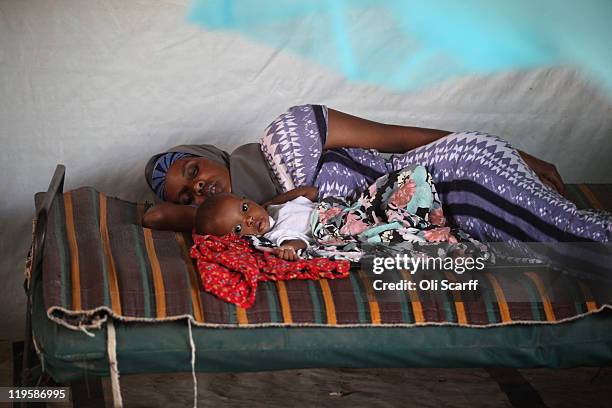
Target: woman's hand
point(547, 172)
point(310, 192)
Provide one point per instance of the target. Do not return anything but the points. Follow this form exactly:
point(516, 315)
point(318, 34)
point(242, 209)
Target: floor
point(577, 387)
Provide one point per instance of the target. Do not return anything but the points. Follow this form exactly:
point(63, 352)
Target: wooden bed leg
point(26, 375)
point(87, 392)
point(519, 391)
point(27, 349)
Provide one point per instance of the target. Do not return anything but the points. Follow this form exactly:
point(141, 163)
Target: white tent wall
point(100, 86)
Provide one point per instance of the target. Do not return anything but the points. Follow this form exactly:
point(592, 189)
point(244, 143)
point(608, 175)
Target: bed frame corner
point(56, 187)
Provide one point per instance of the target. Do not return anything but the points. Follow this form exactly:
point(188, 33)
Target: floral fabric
point(400, 209)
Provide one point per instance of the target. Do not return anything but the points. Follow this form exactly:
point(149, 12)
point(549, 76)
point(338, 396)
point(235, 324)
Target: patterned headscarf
point(160, 169)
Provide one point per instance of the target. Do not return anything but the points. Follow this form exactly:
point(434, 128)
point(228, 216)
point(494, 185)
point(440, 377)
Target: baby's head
point(224, 213)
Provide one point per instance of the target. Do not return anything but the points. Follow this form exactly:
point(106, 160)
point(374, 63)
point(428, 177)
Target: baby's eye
point(245, 207)
point(193, 171)
point(237, 229)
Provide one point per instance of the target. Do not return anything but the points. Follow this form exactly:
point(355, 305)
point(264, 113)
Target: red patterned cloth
point(230, 268)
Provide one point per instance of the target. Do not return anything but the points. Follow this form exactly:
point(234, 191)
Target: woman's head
point(192, 180)
point(188, 174)
point(226, 213)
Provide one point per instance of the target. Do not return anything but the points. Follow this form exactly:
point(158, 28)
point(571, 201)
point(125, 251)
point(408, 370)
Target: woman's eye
point(237, 229)
point(245, 207)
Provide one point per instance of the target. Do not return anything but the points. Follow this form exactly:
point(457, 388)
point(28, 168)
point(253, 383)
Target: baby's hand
point(286, 252)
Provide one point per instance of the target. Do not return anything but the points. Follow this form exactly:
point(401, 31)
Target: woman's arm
point(309, 192)
point(344, 130)
point(170, 216)
point(176, 217)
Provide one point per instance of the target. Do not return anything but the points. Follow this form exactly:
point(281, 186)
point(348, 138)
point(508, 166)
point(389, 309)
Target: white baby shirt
point(291, 221)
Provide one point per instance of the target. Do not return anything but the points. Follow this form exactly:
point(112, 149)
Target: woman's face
point(193, 179)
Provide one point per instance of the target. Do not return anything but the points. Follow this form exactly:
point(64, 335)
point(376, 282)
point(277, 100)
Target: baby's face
point(240, 216)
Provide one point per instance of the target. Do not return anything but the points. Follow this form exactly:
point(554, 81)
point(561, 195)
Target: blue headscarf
point(160, 169)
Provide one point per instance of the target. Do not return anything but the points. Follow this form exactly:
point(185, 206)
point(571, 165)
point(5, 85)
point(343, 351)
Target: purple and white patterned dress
point(485, 186)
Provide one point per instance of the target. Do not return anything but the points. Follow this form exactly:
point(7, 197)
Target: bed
point(284, 331)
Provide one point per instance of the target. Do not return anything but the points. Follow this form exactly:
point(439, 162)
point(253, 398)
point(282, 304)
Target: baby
point(284, 220)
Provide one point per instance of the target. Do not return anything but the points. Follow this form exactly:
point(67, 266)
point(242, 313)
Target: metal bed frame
point(85, 392)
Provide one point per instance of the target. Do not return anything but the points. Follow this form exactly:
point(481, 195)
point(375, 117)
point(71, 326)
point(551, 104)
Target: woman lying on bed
point(487, 187)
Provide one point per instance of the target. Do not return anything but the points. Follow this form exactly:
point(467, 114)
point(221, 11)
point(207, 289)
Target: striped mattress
point(99, 262)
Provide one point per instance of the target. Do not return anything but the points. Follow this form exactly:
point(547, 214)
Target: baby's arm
point(287, 250)
point(309, 192)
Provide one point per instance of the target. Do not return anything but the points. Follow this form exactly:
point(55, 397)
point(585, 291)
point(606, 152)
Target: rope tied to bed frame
point(193, 373)
point(114, 367)
point(84, 330)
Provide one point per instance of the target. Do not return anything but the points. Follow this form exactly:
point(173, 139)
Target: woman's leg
point(488, 190)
